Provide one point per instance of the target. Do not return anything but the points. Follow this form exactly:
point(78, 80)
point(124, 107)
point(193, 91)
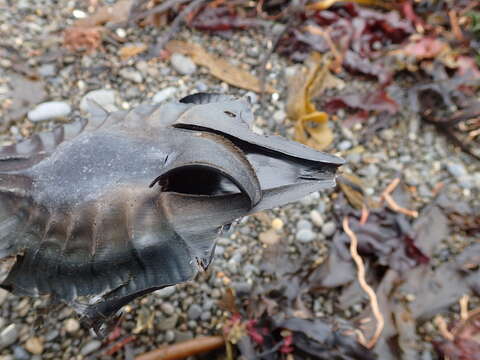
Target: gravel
point(131, 74)
point(49, 111)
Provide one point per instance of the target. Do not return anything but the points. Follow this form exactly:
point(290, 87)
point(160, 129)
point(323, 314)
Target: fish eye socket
point(197, 180)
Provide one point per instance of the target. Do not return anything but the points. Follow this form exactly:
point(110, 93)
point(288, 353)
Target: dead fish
point(98, 212)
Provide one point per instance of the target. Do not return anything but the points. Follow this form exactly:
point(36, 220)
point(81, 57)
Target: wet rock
point(34, 345)
point(131, 74)
point(49, 110)
point(90, 347)
point(103, 97)
point(194, 312)
point(9, 335)
point(329, 229)
point(183, 64)
point(164, 94)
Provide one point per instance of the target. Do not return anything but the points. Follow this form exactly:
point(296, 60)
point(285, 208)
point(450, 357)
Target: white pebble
point(49, 110)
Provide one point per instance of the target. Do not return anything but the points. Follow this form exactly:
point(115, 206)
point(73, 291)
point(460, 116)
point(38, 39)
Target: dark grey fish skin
point(96, 213)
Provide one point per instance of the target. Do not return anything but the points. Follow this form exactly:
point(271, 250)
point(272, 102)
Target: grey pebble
point(168, 323)
point(47, 70)
point(279, 116)
point(167, 308)
point(206, 316)
point(164, 94)
point(3, 295)
point(8, 335)
point(304, 224)
point(344, 145)
point(49, 110)
point(201, 86)
point(219, 250)
point(253, 51)
point(183, 64)
point(131, 74)
point(194, 312)
point(103, 97)
point(169, 336)
point(329, 228)
point(90, 347)
point(305, 235)
point(317, 218)
point(51, 335)
point(19, 353)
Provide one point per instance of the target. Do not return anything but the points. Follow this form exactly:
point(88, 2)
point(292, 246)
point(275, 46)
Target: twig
point(174, 27)
point(392, 204)
point(184, 349)
point(364, 285)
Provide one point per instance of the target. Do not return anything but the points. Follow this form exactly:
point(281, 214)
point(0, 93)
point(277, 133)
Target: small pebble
point(277, 224)
point(329, 228)
point(169, 336)
point(103, 97)
point(167, 308)
point(344, 145)
point(49, 110)
point(164, 94)
point(8, 335)
point(279, 116)
point(182, 64)
point(269, 237)
point(34, 345)
point(20, 353)
point(194, 312)
point(71, 325)
point(90, 347)
point(131, 74)
point(305, 235)
point(317, 218)
point(304, 224)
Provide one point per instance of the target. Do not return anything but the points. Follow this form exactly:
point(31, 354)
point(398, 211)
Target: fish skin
point(98, 212)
